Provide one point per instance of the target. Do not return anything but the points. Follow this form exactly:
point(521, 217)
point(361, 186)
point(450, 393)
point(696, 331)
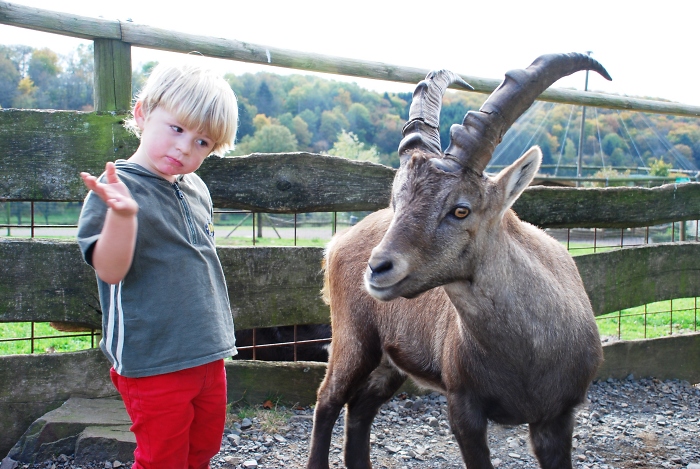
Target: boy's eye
point(176, 128)
point(202, 143)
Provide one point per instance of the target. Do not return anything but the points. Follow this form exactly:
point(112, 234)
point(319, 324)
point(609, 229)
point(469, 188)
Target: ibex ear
point(513, 180)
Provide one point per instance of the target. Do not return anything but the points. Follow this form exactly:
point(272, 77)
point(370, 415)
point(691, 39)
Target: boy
point(146, 228)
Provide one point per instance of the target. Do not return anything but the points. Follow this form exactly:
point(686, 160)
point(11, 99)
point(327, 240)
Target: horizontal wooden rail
point(48, 281)
point(162, 39)
point(42, 153)
point(636, 276)
point(610, 207)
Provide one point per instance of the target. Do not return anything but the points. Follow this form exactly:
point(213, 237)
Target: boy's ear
point(139, 115)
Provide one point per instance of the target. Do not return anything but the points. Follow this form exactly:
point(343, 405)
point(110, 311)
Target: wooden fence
point(42, 152)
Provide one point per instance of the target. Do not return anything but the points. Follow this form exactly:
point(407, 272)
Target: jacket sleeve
point(90, 223)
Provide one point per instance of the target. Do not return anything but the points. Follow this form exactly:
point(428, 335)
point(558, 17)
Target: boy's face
point(167, 147)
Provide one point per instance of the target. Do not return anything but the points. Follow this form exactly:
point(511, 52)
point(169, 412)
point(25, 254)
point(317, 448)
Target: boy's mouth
point(173, 161)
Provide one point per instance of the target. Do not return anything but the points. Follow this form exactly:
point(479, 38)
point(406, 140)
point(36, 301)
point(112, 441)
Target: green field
point(248, 241)
point(653, 320)
point(67, 342)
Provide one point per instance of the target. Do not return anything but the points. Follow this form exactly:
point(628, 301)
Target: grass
point(653, 320)
point(270, 416)
point(248, 241)
point(580, 249)
point(67, 342)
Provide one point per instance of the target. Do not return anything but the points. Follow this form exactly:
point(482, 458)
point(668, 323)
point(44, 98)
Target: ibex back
point(458, 292)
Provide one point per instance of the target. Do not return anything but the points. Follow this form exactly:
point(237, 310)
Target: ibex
point(458, 292)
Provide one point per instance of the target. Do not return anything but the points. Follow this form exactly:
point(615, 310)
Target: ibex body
point(458, 292)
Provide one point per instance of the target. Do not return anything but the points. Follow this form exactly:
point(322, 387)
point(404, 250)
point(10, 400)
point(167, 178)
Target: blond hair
point(197, 97)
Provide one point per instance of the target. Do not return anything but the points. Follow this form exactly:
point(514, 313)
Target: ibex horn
point(422, 131)
point(473, 142)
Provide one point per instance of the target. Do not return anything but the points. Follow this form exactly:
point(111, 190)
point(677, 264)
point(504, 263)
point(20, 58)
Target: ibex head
point(447, 212)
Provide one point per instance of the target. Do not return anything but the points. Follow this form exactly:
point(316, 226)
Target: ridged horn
point(423, 127)
point(473, 142)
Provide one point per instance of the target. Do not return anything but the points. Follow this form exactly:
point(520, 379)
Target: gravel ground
point(625, 424)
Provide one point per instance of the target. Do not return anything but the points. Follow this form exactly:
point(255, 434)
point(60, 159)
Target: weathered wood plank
point(610, 207)
point(297, 182)
point(635, 276)
point(162, 39)
point(112, 75)
point(50, 21)
point(42, 152)
point(47, 281)
point(274, 286)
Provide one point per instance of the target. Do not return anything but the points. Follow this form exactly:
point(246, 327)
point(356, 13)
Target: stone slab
point(105, 444)
point(58, 431)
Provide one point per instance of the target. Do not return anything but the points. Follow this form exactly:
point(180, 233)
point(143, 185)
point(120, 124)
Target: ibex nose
point(384, 271)
point(381, 266)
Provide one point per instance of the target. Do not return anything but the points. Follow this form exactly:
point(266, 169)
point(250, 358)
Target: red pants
point(178, 418)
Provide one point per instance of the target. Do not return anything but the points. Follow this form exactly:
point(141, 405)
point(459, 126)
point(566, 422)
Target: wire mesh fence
point(58, 220)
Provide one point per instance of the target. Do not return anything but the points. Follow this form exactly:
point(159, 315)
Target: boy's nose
point(184, 147)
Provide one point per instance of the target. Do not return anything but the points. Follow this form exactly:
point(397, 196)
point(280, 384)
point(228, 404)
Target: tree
point(611, 142)
point(272, 138)
point(139, 76)
point(24, 98)
point(349, 146)
point(343, 99)
point(43, 67)
point(358, 117)
point(260, 121)
point(9, 80)
point(657, 167)
point(332, 123)
point(20, 56)
point(78, 79)
point(388, 134)
point(311, 119)
point(313, 95)
point(245, 118)
point(43, 70)
point(265, 101)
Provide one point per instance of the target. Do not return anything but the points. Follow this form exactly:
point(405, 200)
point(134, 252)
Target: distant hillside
point(307, 113)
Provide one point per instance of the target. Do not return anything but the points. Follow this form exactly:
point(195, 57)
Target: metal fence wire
point(245, 227)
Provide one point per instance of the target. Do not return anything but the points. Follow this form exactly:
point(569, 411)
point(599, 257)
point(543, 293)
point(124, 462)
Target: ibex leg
point(343, 378)
point(551, 441)
point(469, 427)
point(384, 381)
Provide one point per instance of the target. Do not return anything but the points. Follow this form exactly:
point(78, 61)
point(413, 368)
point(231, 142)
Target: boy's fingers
point(89, 180)
point(111, 171)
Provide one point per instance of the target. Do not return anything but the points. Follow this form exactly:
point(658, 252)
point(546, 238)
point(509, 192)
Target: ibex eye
point(461, 212)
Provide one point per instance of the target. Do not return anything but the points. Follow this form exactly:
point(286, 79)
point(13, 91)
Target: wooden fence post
point(112, 75)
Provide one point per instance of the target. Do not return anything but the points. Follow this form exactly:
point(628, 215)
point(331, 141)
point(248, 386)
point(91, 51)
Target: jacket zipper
point(188, 213)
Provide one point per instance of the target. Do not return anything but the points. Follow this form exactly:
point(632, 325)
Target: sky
point(647, 47)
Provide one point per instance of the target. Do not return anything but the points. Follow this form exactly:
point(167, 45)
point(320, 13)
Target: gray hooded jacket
point(171, 311)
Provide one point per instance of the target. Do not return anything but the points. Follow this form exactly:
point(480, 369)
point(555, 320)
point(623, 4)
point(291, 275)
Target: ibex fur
point(450, 287)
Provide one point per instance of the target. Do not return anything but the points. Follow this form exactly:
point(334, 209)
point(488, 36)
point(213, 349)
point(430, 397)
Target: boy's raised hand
point(114, 192)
